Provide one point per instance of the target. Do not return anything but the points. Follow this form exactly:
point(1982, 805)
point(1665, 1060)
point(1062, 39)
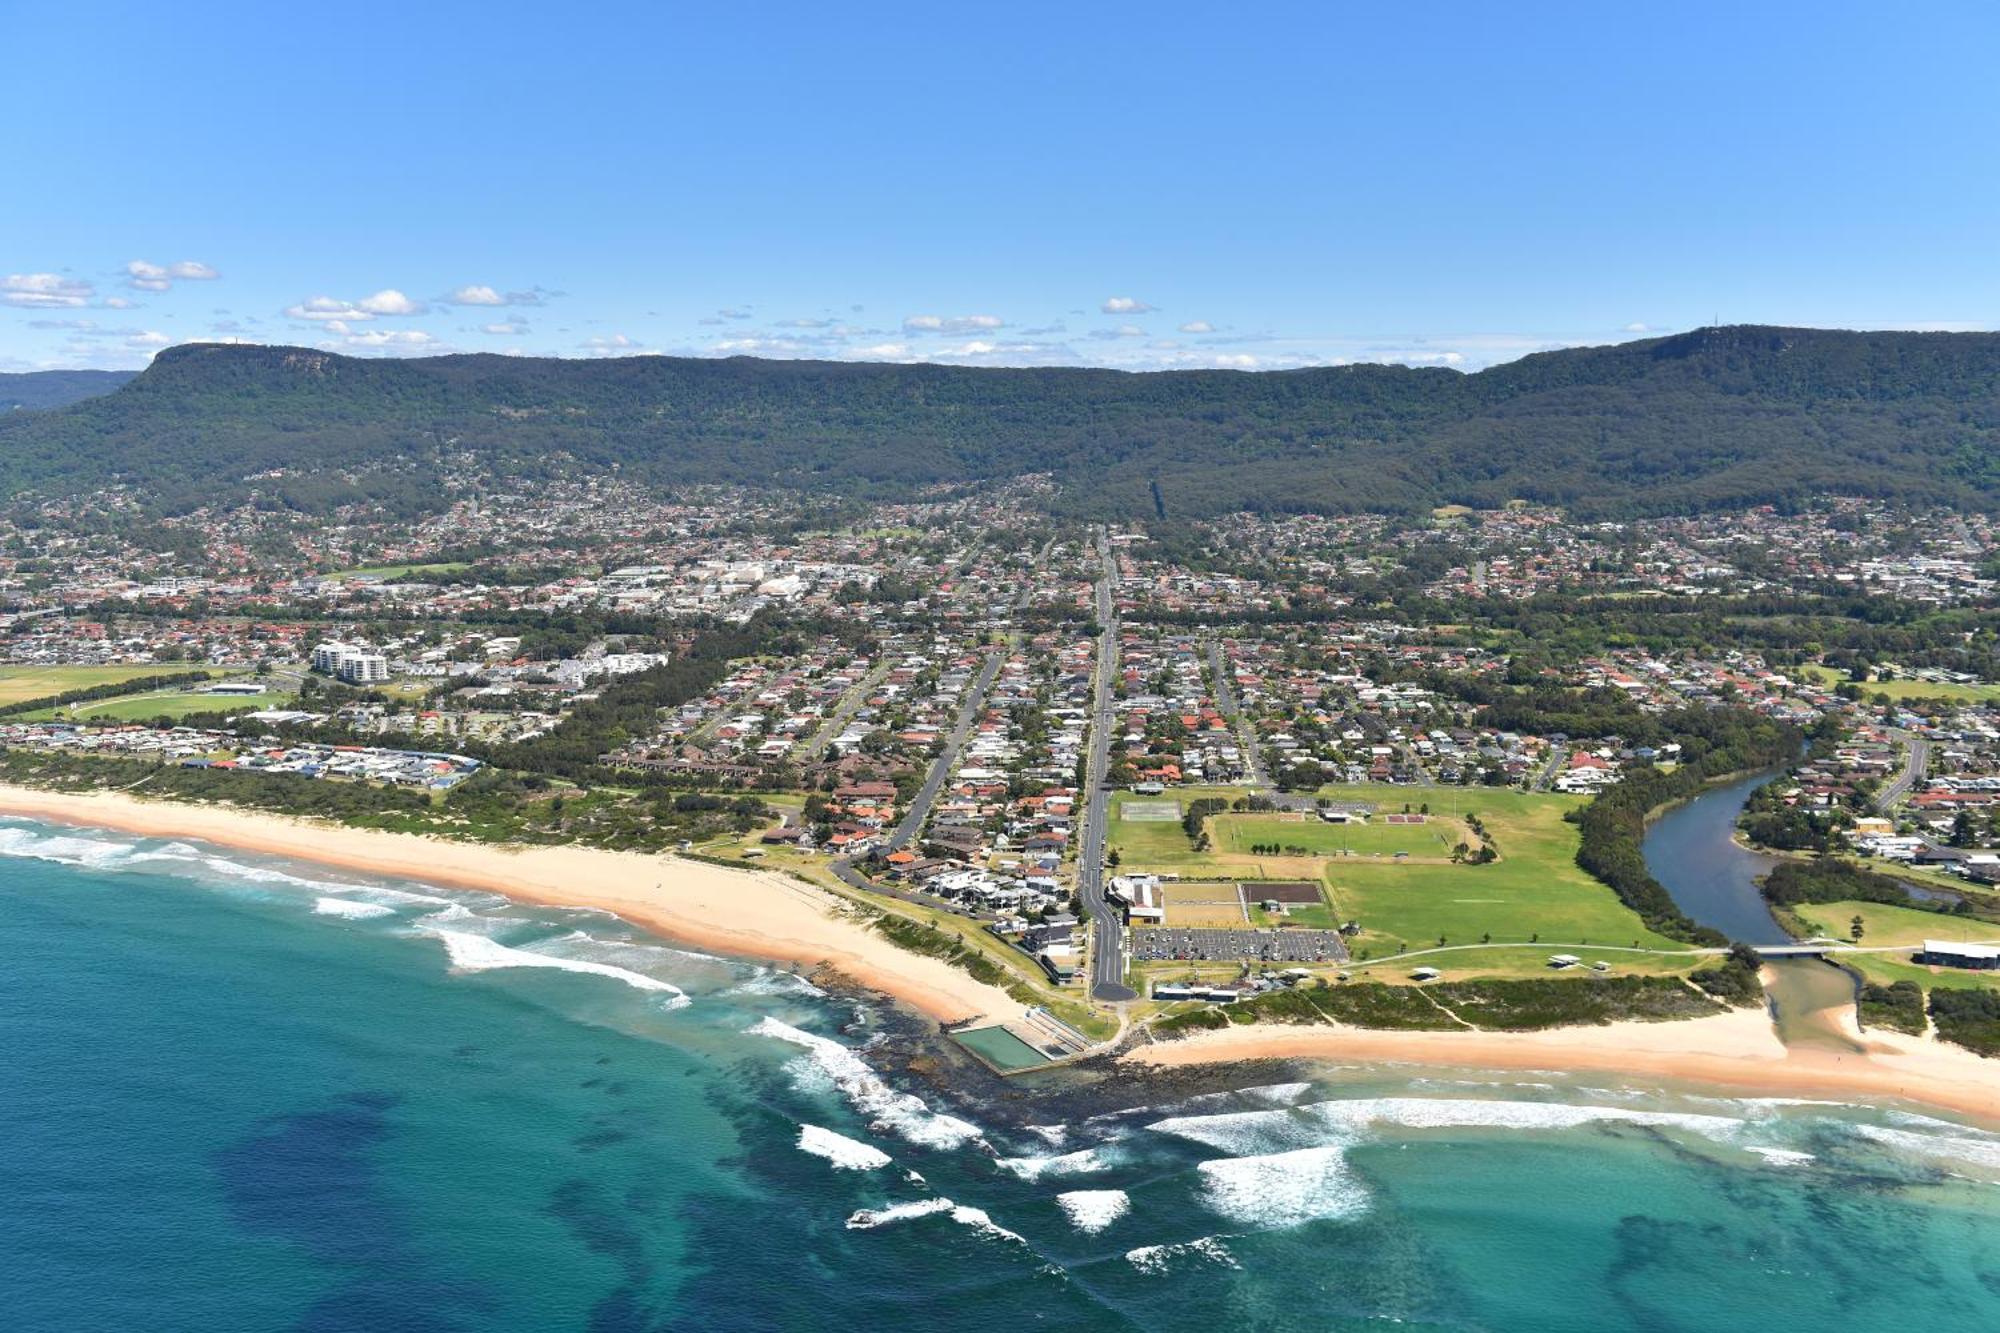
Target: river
point(1693, 852)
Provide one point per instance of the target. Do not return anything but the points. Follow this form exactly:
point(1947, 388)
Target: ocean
point(240, 1094)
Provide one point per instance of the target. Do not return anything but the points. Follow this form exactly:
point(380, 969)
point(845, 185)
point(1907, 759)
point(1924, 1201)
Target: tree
point(1856, 928)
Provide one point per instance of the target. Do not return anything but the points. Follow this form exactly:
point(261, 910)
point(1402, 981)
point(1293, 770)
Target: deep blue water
point(231, 1101)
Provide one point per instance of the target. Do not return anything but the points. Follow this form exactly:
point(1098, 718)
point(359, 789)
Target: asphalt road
point(1914, 769)
point(1225, 700)
point(1107, 929)
point(968, 713)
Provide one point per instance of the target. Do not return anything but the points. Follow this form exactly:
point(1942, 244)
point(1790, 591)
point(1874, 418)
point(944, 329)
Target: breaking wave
point(900, 1113)
point(1091, 1211)
point(1283, 1189)
point(846, 1154)
point(1156, 1259)
point(477, 953)
point(867, 1219)
point(350, 908)
point(1085, 1161)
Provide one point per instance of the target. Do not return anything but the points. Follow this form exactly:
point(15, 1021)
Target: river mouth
point(1692, 851)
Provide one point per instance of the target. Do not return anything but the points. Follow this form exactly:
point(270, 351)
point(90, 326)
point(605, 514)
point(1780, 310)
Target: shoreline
point(1738, 1050)
point(757, 914)
point(770, 917)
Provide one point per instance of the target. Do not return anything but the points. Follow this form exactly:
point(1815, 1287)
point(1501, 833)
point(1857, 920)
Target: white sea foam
point(1474, 1113)
point(1240, 1133)
point(1782, 1156)
point(1053, 1135)
point(1283, 1189)
point(867, 1219)
point(476, 953)
point(1155, 1259)
point(768, 982)
point(900, 1113)
point(349, 907)
point(1278, 1094)
point(1958, 1147)
point(1251, 1132)
point(846, 1154)
point(1093, 1210)
point(1083, 1162)
point(62, 849)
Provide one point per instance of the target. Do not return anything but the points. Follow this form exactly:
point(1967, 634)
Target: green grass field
point(1882, 924)
point(1533, 892)
point(21, 683)
point(1434, 838)
point(1984, 692)
point(165, 703)
point(398, 571)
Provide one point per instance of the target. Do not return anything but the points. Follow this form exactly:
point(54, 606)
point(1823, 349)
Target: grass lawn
point(1981, 693)
point(1883, 924)
point(1432, 839)
point(166, 703)
point(398, 571)
point(21, 683)
point(1534, 892)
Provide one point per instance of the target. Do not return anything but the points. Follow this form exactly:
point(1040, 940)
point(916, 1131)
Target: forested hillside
point(34, 390)
point(1718, 417)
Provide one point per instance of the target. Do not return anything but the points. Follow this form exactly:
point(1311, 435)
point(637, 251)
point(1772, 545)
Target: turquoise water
point(240, 1095)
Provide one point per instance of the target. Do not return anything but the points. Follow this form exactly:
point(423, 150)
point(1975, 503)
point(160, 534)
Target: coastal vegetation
point(1490, 1004)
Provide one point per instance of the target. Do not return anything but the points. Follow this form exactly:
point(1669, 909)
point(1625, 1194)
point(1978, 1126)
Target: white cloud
point(1122, 331)
point(118, 303)
point(1636, 327)
point(148, 277)
point(475, 295)
point(326, 308)
point(1197, 326)
point(616, 344)
point(382, 339)
point(321, 309)
point(1126, 305)
point(389, 301)
point(953, 324)
point(512, 328)
point(884, 351)
point(148, 340)
point(44, 291)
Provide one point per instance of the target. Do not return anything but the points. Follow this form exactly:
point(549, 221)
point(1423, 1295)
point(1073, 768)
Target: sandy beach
point(748, 913)
point(772, 917)
point(1738, 1051)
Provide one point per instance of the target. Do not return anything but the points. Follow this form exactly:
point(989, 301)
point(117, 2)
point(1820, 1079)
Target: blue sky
point(1138, 186)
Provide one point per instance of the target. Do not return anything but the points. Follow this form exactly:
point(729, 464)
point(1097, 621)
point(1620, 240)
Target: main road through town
point(1107, 929)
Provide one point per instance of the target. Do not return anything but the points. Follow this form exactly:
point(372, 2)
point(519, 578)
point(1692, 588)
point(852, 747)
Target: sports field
point(1534, 892)
point(1204, 905)
point(166, 703)
point(21, 683)
point(1433, 838)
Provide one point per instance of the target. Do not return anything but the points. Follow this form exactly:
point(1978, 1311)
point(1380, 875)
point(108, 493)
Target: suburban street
point(1107, 929)
point(968, 712)
point(1225, 702)
point(1915, 765)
